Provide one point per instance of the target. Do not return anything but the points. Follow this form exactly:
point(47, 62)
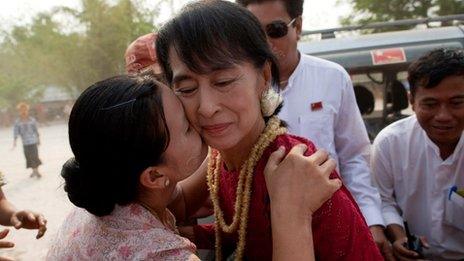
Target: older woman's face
point(186, 150)
point(222, 105)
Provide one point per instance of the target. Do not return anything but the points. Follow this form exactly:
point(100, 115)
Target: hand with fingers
point(298, 180)
point(29, 220)
point(5, 244)
point(297, 186)
point(401, 251)
point(382, 242)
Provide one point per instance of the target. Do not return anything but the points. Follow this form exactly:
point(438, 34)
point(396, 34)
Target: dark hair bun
point(85, 191)
point(117, 129)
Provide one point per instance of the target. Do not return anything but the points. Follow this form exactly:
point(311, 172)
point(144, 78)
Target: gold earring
point(166, 183)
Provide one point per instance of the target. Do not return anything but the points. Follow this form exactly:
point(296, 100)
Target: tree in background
point(69, 48)
point(108, 32)
point(370, 11)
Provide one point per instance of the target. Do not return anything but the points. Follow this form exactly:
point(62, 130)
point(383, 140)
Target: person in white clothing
point(418, 162)
point(319, 104)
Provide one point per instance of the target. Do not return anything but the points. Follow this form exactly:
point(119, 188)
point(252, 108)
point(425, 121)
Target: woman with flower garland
point(217, 60)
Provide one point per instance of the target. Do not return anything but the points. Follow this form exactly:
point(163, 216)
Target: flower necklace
point(243, 194)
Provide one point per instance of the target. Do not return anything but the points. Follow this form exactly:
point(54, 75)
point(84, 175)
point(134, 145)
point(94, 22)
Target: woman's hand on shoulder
point(296, 180)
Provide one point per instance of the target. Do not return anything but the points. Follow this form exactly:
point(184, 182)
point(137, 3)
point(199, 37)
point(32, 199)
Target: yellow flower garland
point(243, 194)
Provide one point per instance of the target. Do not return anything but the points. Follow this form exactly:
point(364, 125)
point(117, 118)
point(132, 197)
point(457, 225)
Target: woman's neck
point(237, 155)
point(156, 204)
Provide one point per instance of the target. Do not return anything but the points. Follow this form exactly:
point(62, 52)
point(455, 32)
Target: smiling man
point(418, 162)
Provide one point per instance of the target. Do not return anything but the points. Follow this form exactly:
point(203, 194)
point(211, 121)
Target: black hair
point(214, 34)
point(294, 7)
point(429, 70)
point(117, 129)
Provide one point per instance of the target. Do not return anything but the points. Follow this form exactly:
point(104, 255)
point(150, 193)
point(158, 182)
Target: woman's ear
point(153, 179)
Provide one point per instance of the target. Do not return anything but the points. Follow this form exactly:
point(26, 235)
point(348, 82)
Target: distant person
point(320, 105)
point(10, 216)
point(26, 128)
point(418, 162)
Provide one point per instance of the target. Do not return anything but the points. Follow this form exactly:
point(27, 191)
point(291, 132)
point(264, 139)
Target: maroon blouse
point(339, 229)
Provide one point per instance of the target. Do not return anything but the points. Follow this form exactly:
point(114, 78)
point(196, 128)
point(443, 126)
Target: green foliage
point(52, 51)
point(370, 11)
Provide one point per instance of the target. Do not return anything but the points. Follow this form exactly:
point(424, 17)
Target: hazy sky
point(317, 14)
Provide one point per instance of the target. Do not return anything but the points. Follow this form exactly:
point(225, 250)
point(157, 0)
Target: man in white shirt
point(319, 104)
point(418, 162)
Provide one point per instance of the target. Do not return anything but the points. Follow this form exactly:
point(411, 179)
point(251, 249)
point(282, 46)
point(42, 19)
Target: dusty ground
point(45, 195)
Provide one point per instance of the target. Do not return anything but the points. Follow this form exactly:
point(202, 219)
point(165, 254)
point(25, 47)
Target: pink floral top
point(130, 233)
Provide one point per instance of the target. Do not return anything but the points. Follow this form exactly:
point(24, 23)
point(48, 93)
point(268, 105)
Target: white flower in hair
point(270, 101)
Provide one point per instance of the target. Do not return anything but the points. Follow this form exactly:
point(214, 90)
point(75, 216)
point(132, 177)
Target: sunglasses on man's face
point(278, 28)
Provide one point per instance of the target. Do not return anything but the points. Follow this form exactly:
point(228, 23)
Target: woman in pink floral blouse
point(132, 146)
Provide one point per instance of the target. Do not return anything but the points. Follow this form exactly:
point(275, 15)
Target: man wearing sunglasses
point(319, 104)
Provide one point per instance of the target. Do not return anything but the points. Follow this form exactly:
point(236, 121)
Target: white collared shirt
point(319, 104)
point(414, 183)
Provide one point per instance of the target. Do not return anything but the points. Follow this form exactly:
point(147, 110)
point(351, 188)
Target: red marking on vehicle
point(388, 56)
